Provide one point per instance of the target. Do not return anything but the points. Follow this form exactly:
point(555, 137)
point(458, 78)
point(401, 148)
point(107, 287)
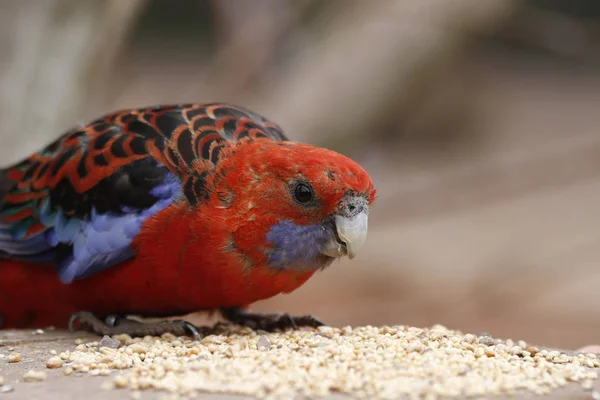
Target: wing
point(80, 201)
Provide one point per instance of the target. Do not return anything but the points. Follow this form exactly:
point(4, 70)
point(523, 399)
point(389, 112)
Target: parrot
point(168, 210)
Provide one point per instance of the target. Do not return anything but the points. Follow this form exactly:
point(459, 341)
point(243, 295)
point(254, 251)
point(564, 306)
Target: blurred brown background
point(479, 122)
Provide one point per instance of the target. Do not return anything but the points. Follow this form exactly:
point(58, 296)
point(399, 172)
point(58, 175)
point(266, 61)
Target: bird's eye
point(303, 193)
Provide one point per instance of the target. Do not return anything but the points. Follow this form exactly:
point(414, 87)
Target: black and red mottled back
point(94, 156)
point(126, 162)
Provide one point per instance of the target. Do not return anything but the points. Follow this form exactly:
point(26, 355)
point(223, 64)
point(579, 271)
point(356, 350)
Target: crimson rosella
point(168, 210)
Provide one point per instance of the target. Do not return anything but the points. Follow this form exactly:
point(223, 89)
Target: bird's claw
point(115, 324)
point(269, 321)
point(84, 317)
point(192, 330)
point(115, 319)
point(308, 320)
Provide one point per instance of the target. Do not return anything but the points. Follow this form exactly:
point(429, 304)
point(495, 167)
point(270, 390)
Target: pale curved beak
point(352, 232)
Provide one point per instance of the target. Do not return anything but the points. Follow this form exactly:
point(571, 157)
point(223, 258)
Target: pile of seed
point(366, 362)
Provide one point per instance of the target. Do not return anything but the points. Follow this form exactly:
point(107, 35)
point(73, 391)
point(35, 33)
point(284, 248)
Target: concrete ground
point(36, 349)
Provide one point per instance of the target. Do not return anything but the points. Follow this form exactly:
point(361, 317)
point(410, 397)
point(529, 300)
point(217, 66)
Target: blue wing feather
point(97, 241)
point(104, 239)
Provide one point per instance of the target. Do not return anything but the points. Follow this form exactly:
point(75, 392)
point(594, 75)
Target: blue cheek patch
point(296, 246)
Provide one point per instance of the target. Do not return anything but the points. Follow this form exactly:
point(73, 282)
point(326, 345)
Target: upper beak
point(352, 231)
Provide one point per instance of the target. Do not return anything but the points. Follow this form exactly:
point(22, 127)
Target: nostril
point(353, 205)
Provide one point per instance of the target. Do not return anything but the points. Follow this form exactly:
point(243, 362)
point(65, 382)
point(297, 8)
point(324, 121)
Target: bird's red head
point(293, 205)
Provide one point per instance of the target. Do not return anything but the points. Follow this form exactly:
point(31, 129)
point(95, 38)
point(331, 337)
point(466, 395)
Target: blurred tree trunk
point(57, 55)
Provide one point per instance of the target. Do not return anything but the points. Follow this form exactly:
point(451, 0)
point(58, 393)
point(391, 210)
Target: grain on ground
point(54, 362)
point(367, 362)
point(34, 376)
point(14, 357)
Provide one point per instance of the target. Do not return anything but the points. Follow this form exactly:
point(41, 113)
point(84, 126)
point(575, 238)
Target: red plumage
point(234, 231)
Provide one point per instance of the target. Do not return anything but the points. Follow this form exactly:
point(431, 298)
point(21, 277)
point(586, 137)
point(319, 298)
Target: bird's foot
point(116, 325)
point(117, 319)
point(268, 321)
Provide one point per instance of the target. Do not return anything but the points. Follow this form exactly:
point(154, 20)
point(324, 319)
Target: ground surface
point(37, 348)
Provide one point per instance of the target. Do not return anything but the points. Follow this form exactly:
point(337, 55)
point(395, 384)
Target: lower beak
point(351, 232)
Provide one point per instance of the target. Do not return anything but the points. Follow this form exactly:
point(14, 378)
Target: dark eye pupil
point(303, 193)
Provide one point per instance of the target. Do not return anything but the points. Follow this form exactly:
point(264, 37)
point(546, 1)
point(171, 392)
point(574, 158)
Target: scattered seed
point(123, 338)
point(365, 362)
point(486, 341)
point(137, 348)
point(14, 357)
point(54, 362)
point(120, 381)
point(469, 338)
point(34, 376)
